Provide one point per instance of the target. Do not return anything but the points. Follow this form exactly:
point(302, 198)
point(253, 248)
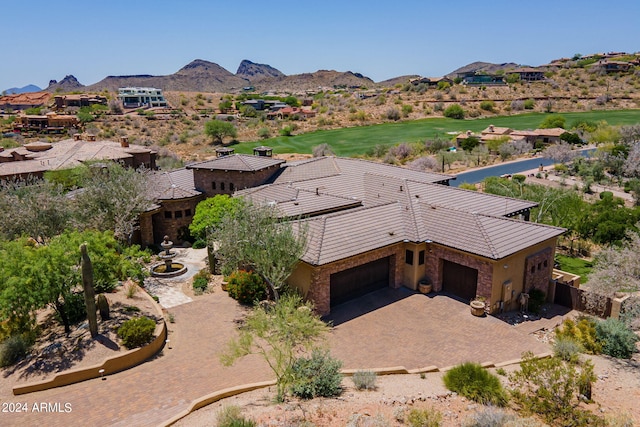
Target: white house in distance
point(136, 97)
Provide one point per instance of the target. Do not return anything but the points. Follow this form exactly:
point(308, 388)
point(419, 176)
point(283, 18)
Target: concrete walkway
point(387, 328)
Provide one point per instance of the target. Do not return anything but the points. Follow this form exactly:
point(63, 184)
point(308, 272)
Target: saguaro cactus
point(89, 293)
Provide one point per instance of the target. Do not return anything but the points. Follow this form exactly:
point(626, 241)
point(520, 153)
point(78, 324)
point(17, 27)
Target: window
point(408, 256)
point(213, 185)
point(539, 266)
point(545, 263)
point(187, 212)
point(421, 258)
point(533, 269)
point(222, 186)
point(178, 214)
point(231, 186)
point(167, 214)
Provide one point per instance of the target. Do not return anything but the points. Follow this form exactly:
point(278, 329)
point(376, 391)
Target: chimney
point(491, 128)
point(124, 141)
point(77, 137)
point(468, 133)
point(91, 137)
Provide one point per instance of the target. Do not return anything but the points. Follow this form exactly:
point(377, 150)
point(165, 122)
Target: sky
point(44, 40)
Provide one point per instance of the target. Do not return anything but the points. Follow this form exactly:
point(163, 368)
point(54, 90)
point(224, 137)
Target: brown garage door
point(459, 280)
point(357, 281)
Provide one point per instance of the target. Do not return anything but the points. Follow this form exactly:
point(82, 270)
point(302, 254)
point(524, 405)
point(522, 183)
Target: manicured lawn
point(576, 266)
point(358, 140)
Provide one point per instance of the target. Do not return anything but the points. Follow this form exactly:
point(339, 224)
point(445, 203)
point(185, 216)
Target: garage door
point(459, 280)
point(357, 281)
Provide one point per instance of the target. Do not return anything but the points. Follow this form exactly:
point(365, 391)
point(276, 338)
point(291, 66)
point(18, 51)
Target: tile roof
point(376, 205)
point(237, 162)
point(492, 237)
point(177, 184)
point(66, 154)
point(550, 132)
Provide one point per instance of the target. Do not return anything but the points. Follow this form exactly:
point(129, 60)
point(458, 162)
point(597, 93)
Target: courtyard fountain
point(168, 267)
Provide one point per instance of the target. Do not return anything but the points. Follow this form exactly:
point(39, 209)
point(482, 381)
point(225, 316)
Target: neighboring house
point(22, 101)
point(609, 66)
point(471, 78)
point(372, 225)
point(226, 174)
point(549, 136)
point(48, 123)
point(78, 100)
point(35, 158)
point(137, 97)
point(460, 138)
point(430, 81)
point(287, 112)
point(528, 74)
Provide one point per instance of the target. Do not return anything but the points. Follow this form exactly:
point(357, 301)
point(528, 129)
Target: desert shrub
point(454, 111)
point(490, 416)
point(364, 380)
point(529, 104)
point(246, 287)
point(406, 110)
point(392, 114)
point(567, 349)
point(317, 376)
point(423, 164)
point(583, 332)
point(473, 382)
point(536, 300)
point(553, 389)
point(517, 105)
point(137, 332)
point(487, 105)
point(287, 131)
point(230, 416)
point(13, 349)
point(201, 280)
point(617, 339)
point(74, 308)
point(321, 150)
point(264, 133)
point(427, 417)
point(199, 244)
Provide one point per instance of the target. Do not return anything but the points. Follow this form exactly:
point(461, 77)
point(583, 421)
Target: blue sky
point(43, 40)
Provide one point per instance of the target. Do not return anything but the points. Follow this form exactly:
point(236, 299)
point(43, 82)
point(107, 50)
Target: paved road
point(387, 328)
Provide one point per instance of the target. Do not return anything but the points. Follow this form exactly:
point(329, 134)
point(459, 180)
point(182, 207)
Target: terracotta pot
point(477, 308)
point(425, 288)
point(224, 285)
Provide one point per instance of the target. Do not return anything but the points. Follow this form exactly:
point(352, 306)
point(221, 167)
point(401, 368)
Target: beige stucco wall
point(300, 278)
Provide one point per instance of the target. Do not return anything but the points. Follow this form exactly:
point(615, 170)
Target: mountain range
point(204, 76)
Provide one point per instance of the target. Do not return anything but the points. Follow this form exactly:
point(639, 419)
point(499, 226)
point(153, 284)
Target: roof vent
point(391, 233)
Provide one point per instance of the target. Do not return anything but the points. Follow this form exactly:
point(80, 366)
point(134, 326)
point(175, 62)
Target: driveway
point(386, 328)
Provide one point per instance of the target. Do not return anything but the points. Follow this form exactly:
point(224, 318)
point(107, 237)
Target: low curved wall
point(111, 365)
point(394, 370)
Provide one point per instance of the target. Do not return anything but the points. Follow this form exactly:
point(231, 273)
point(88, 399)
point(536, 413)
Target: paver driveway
point(412, 330)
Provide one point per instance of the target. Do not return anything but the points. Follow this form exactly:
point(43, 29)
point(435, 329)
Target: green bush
point(74, 308)
point(552, 389)
point(487, 105)
point(529, 104)
point(536, 300)
point(317, 376)
point(616, 338)
point(567, 349)
point(476, 383)
point(364, 380)
point(137, 332)
point(424, 418)
point(230, 416)
point(201, 281)
point(454, 111)
point(583, 332)
point(13, 349)
point(199, 244)
point(246, 287)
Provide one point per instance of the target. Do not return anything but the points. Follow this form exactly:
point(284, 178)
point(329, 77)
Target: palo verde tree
point(218, 130)
point(112, 198)
point(279, 334)
point(34, 208)
point(34, 276)
point(255, 238)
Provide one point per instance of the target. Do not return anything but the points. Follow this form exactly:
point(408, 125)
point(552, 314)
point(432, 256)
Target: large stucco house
point(372, 225)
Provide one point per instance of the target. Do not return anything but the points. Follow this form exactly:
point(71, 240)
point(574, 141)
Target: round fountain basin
point(161, 270)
